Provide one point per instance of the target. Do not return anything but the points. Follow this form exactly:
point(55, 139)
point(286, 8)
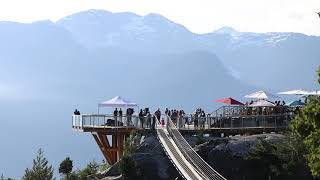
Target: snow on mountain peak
point(227, 30)
point(274, 38)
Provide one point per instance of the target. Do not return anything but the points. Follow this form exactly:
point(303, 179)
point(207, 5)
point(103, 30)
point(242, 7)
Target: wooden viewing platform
point(111, 132)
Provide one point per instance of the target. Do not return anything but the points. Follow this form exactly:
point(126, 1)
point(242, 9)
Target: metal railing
point(205, 170)
point(106, 121)
point(227, 111)
point(102, 120)
point(247, 121)
point(186, 121)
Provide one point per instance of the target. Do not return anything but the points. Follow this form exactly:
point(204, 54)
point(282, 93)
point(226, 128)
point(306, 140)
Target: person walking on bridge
point(158, 115)
point(153, 124)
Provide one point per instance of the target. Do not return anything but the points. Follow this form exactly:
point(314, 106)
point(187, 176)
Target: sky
point(199, 16)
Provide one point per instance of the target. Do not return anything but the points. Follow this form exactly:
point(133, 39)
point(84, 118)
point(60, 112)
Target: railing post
point(242, 124)
point(231, 123)
point(81, 120)
point(275, 122)
point(72, 121)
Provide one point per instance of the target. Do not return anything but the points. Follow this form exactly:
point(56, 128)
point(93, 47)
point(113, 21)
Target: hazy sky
point(199, 16)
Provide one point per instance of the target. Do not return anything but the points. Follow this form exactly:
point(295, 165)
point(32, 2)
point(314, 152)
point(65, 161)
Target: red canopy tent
point(229, 101)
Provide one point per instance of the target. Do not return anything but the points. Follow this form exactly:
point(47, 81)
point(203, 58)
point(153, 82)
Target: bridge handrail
point(204, 168)
point(104, 120)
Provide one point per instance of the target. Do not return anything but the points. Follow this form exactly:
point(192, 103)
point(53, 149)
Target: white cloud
point(197, 15)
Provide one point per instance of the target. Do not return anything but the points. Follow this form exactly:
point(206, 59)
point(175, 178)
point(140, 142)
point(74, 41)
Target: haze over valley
point(50, 68)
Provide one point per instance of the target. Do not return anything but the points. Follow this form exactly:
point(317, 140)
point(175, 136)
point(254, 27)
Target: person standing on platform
point(115, 115)
point(76, 112)
point(196, 120)
point(128, 115)
point(120, 115)
point(141, 118)
point(203, 119)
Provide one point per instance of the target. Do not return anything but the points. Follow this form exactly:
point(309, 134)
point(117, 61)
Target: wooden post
point(120, 145)
point(103, 147)
point(115, 146)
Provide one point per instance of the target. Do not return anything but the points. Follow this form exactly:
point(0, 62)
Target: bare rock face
point(152, 162)
point(228, 156)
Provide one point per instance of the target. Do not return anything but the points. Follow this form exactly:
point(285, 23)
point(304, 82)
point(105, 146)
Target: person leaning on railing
point(76, 112)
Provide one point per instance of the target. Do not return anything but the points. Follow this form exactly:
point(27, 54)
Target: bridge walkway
point(186, 160)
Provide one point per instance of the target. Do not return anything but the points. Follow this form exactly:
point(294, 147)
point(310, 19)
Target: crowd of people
point(198, 118)
point(181, 119)
point(149, 120)
point(278, 108)
point(118, 115)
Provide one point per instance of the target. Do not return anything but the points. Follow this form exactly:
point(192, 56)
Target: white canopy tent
point(117, 101)
point(314, 93)
point(295, 92)
point(261, 95)
point(261, 102)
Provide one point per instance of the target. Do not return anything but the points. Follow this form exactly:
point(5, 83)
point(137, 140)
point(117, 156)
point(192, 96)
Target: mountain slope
point(256, 58)
point(48, 69)
point(150, 33)
point(272, 60)
point(46, 73)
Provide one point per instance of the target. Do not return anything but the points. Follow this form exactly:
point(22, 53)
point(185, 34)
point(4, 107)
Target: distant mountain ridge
point(242, 52)
point(46, 72)
point(47, 69)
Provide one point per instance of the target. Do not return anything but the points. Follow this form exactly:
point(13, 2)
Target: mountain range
point(50, 68)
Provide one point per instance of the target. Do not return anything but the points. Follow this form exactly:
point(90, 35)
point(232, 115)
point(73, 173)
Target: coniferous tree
point(66, 167)
point(306, 126)
point(3, 178)
point(41, 170)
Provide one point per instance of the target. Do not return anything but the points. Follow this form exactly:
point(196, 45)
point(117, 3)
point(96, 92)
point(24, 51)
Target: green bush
point(283, 159)
point(91, 169)
point(132, 142)
point(127, 166)
point(199, 137)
